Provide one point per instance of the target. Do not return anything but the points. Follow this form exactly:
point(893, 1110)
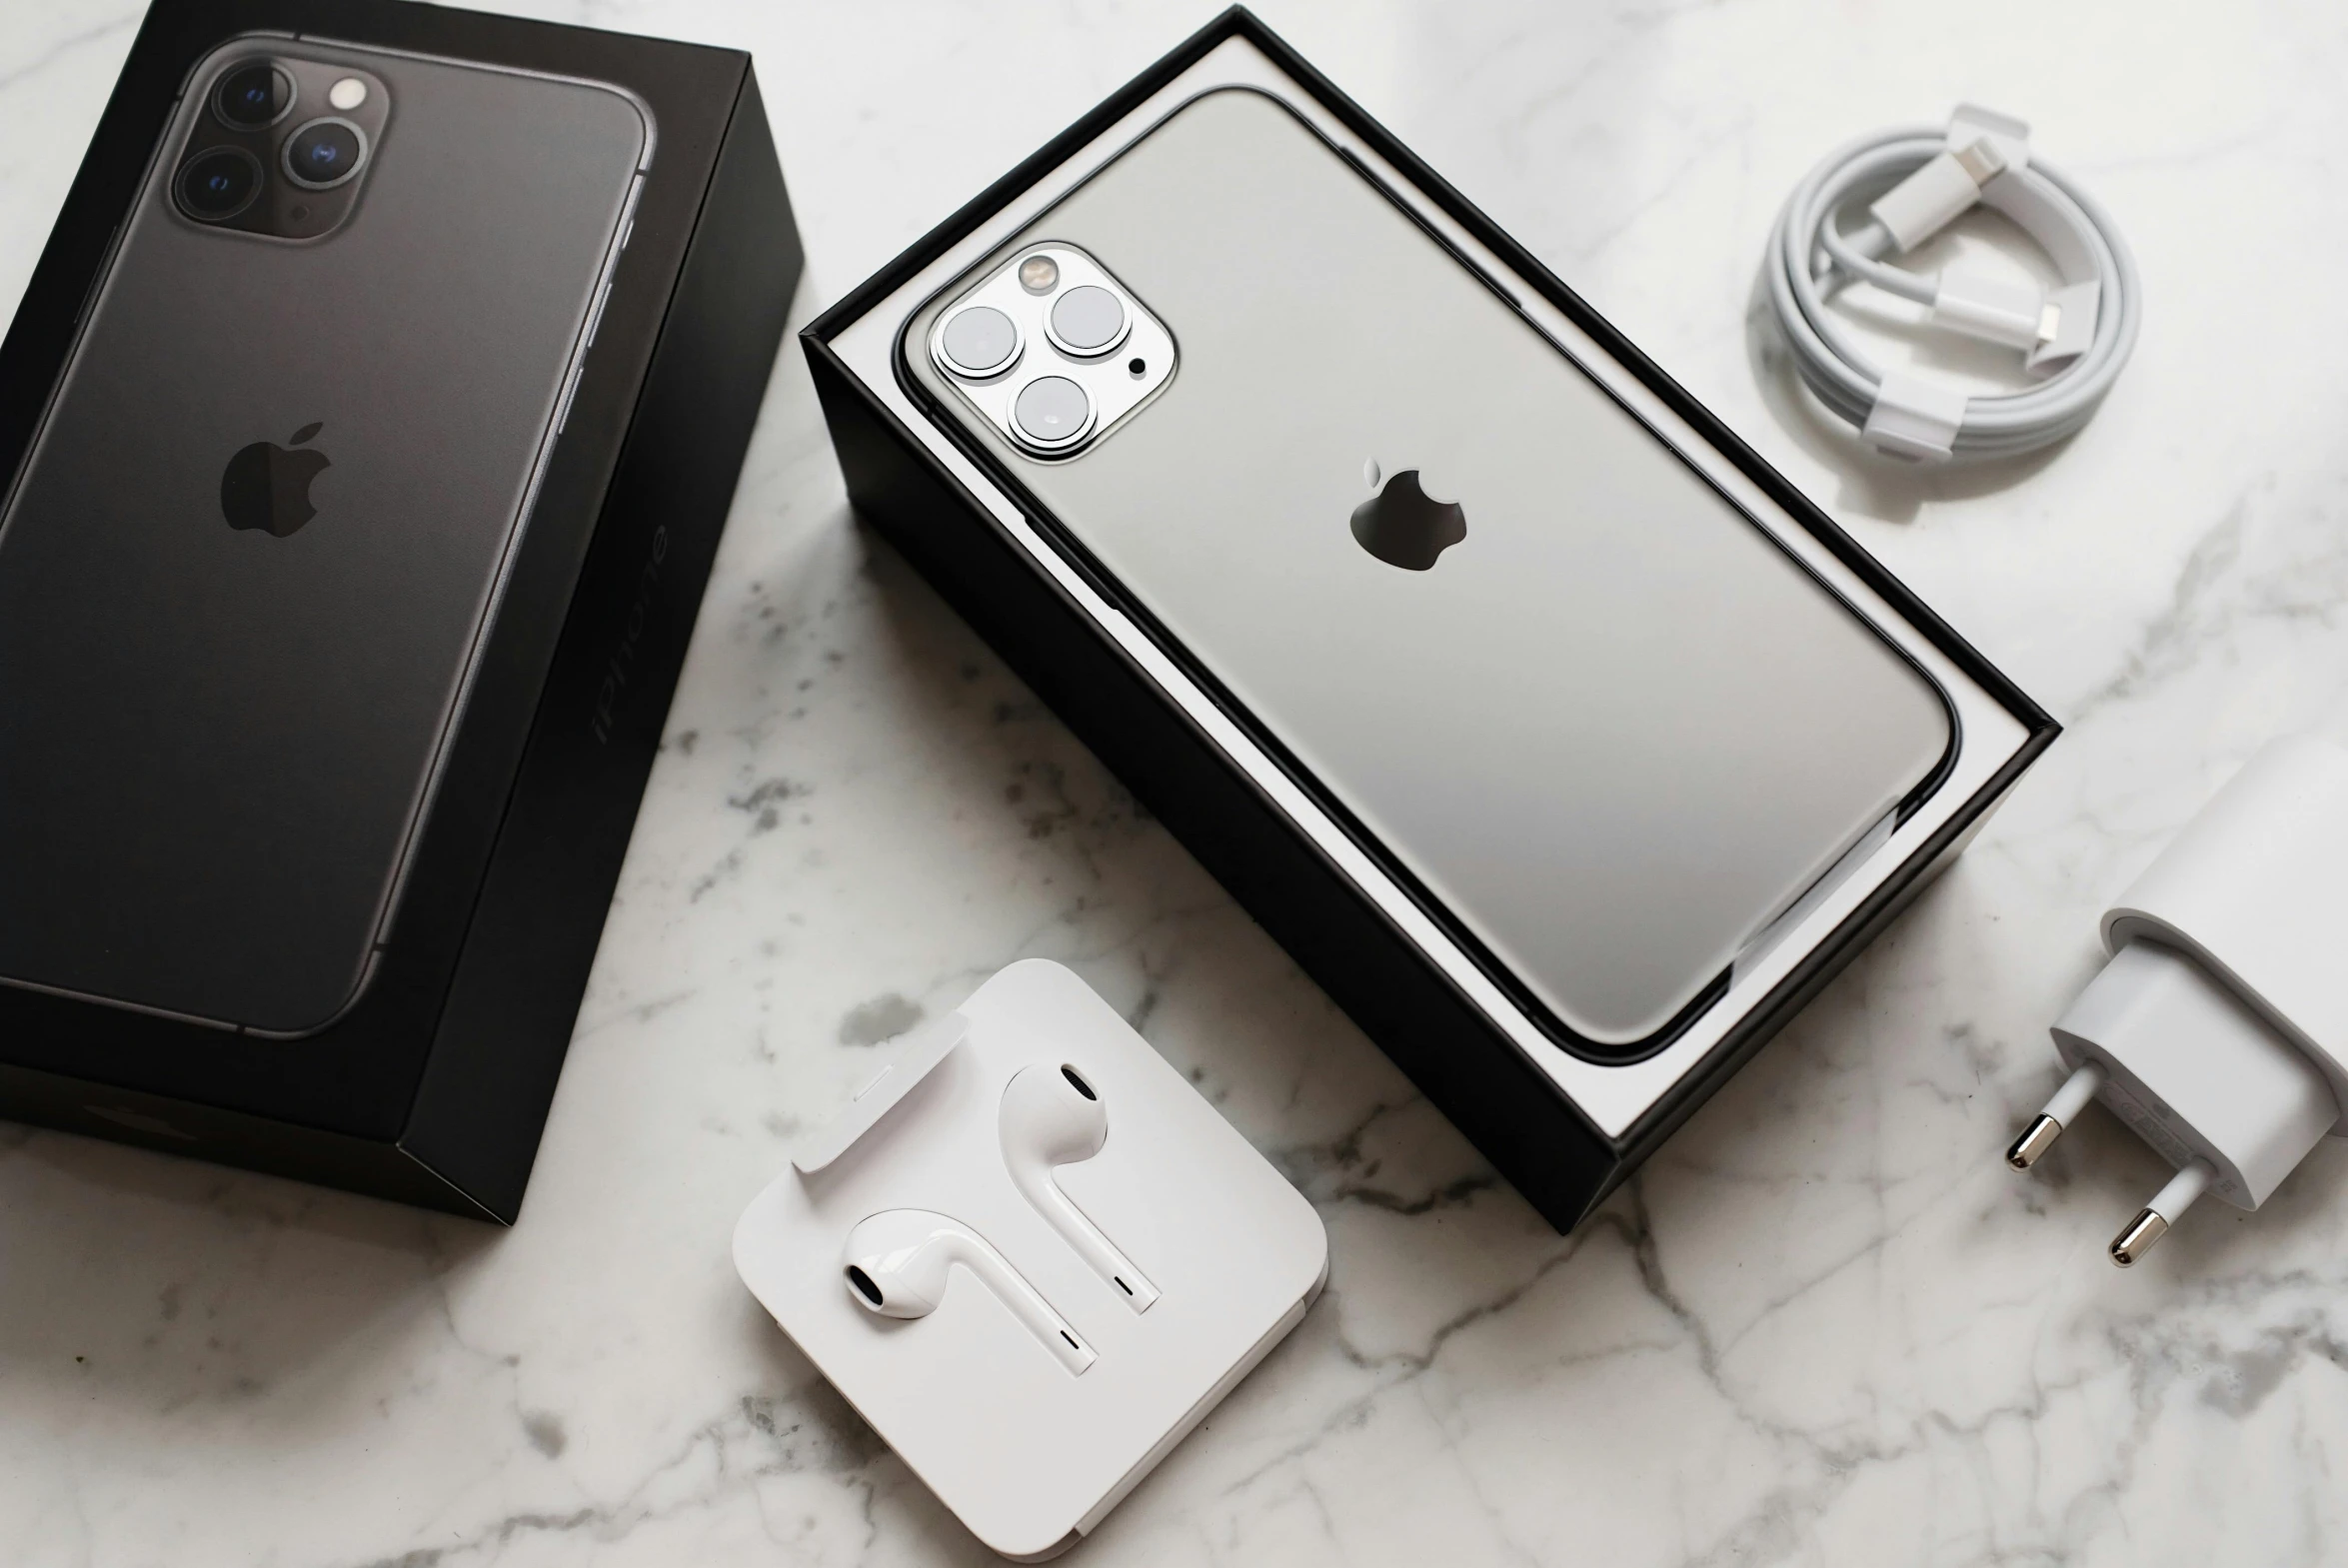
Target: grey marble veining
point(1824, 1326)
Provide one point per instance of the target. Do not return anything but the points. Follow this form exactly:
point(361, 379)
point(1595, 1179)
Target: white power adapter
point(2219, 1029)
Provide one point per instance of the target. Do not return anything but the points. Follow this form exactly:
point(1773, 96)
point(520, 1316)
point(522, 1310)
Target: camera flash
point(1039, 273)
point(349, 93)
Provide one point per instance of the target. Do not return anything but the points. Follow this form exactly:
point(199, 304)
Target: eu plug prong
point(2060, 1111)
point(2168, 1205)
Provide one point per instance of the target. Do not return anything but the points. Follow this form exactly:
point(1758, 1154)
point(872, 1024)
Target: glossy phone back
point(1603, 724)
point(221, 738)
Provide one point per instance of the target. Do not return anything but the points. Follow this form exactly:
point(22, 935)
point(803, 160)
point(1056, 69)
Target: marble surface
point(1825, 1325)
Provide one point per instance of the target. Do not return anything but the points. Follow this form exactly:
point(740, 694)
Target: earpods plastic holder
point(1032, 1292)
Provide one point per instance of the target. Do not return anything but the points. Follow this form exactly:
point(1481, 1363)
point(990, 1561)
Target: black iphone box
point(1565, 744)
point(369, 426)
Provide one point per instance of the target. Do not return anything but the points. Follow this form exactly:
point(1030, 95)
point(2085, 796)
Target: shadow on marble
point(168, 1280)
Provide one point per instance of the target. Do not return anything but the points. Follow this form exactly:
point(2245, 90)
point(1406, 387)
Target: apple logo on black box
point(267, 486)
point(1405, 527)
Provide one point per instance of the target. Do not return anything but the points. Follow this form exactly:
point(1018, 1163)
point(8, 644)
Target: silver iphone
point(1601, 721)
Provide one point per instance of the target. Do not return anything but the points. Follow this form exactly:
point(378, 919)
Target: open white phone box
point(1564, 1118)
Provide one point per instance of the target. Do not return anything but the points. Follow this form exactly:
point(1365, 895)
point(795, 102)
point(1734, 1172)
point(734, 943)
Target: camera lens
point(1051, 411)
point(1088, 320)
point(324, 152)
point(253, 96)
point(979, 341)
point(217, 184)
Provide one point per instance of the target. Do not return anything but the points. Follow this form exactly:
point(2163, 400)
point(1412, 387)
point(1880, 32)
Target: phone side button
point(90, 294)
point(628, 210)
point(570, 391)
point(594, 316)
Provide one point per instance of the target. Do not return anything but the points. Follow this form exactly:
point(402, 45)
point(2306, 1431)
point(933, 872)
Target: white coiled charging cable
point(2076, 336)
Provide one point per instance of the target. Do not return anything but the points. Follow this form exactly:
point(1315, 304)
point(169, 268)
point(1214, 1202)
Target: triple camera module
point(1053, 350)
point(278, 147)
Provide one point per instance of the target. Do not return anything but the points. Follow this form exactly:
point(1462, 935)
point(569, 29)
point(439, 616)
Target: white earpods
point(897, 1265)
point(1052, 1116)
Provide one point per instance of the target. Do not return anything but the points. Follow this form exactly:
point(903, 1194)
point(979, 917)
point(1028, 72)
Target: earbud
point(1052, 1116)
point(897, 1265)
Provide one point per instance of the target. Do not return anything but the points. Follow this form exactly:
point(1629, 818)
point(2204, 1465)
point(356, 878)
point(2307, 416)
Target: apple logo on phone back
point(267, 487)
point(1402, 524)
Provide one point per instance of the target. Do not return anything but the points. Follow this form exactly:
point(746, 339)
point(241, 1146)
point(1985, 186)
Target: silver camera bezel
point(1105, 375)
